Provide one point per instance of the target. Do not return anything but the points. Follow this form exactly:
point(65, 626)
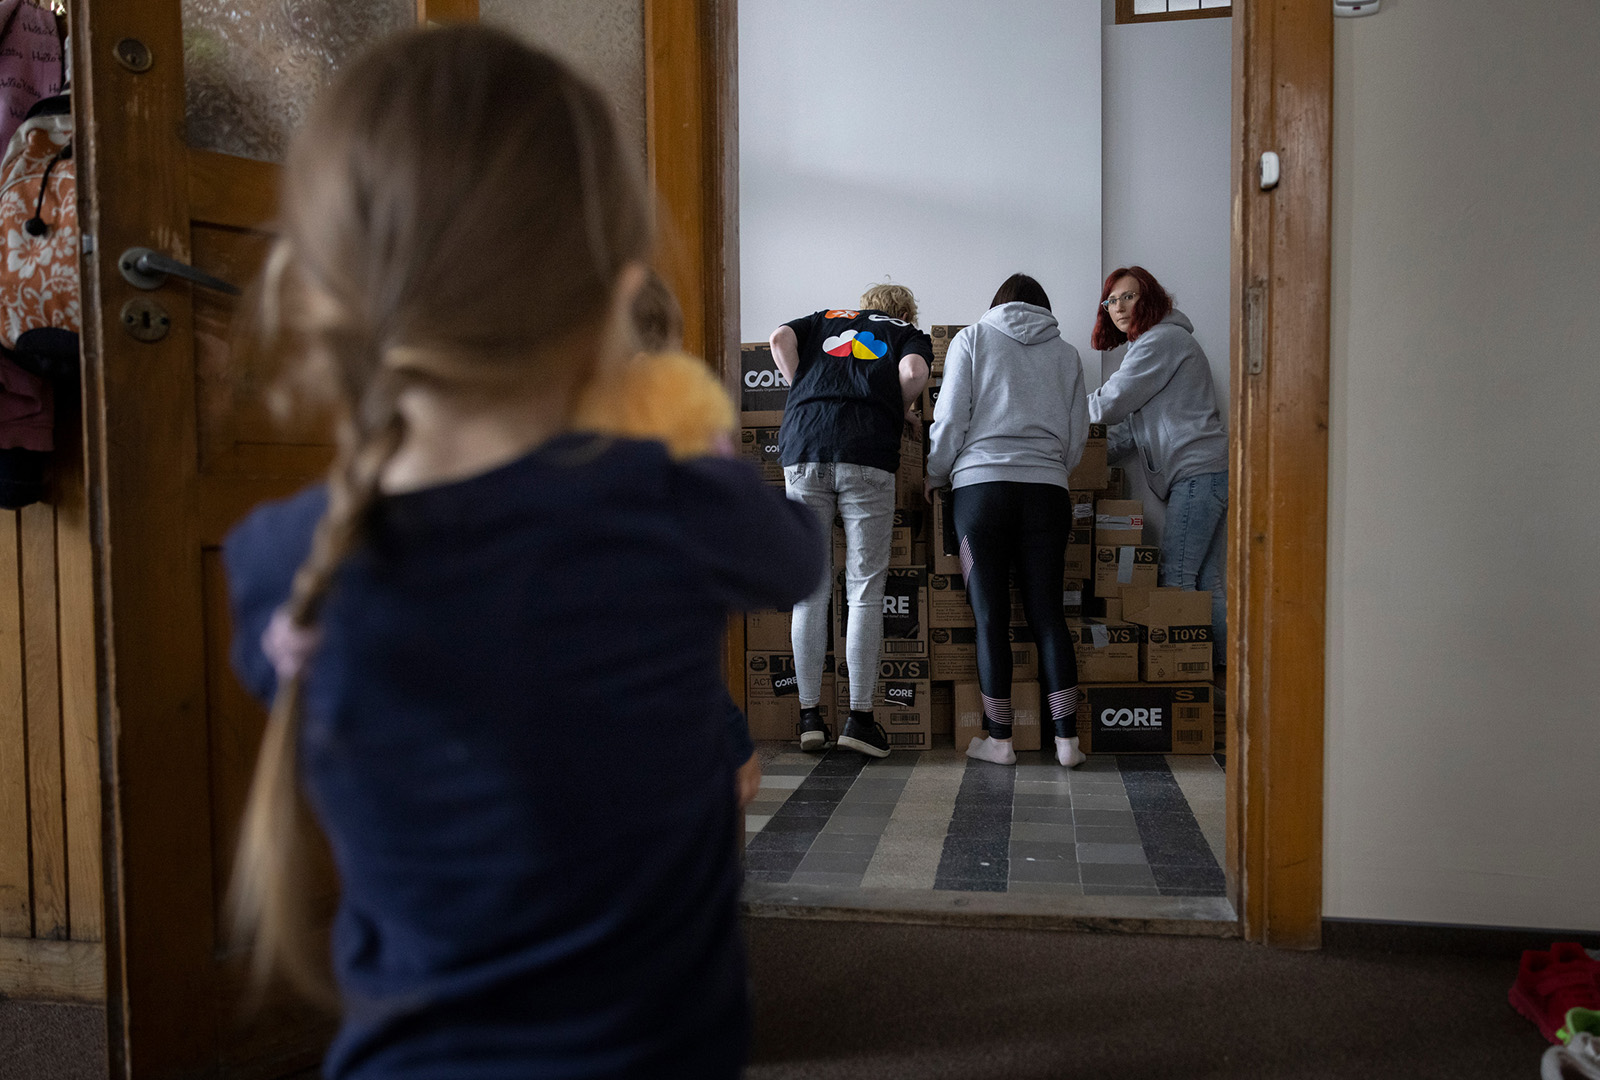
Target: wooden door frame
point(1279, 332)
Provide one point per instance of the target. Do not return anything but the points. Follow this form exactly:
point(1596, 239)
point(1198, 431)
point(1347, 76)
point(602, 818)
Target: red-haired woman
point(1162, 405)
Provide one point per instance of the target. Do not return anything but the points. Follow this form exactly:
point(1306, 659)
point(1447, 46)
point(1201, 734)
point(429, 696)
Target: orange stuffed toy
point(660, 393)
point(670, 397)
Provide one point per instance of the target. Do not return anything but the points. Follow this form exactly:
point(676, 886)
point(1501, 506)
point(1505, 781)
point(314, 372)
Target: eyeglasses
point(1129, 298)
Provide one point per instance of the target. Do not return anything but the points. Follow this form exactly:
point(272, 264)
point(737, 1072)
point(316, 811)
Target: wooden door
point(181, 445)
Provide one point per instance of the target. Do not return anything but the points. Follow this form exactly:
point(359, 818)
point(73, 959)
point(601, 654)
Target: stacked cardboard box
point(928, 675)
point(1175, 643)
point(772, 697)
point(1025, 714)
point(904, 701)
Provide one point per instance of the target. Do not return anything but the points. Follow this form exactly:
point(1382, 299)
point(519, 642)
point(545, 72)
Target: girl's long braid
point(276, 876)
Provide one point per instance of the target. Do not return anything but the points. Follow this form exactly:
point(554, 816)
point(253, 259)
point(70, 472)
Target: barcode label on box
point(891, 647)
point(907, 738)
point(1187, 736)
point(1197, 666)
point(1193, 713)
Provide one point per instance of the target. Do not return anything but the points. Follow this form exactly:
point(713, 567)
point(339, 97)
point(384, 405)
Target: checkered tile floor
point(1128, 825)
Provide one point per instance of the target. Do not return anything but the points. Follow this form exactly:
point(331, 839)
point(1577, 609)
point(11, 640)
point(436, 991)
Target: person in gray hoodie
point(1009, 426)
point(1161, 404)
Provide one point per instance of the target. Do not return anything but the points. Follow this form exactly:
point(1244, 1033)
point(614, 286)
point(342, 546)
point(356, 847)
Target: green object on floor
point(1579, 1020)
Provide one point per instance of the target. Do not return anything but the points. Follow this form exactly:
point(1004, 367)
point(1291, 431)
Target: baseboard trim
point(1361, 935)
point(43, 970)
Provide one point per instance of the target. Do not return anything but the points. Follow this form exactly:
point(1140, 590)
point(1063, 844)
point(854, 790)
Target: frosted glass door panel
point(252, 67)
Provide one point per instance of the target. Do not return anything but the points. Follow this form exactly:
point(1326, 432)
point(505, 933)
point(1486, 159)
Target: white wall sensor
point(1349, 9)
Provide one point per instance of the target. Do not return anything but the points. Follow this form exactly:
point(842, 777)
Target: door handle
point(146, 269)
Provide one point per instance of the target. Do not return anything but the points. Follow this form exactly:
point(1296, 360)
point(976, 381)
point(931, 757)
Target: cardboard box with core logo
point(759, 446)
point(1106, 652)
point(902, 702)
point(1146, 718)
point(954, 650)
point(1025, 715)
point(772, 695)
point(1090, 475)
point(1176, 625)
point(905, 612)
point(763, 390)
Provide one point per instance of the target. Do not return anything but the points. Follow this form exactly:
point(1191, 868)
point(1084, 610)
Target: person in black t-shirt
point(853, 376)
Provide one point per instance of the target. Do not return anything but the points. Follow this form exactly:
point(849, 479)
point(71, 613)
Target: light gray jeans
point(864, 498)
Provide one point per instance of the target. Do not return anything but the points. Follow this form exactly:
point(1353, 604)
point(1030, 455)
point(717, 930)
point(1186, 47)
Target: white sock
point(998, 751)
point(1067, 752)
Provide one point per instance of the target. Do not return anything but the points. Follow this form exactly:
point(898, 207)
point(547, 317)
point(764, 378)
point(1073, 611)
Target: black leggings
point(1005, 526)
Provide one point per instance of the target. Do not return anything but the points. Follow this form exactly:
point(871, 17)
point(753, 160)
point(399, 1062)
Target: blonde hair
point(891, 299)
point(456, 212)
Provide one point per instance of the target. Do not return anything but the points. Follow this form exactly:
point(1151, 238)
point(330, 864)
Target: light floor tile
point(754, 823)
point(780, 781)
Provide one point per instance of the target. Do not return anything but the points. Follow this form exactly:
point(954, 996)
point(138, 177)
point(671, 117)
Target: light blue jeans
point(864, 498)
point(1194, 546)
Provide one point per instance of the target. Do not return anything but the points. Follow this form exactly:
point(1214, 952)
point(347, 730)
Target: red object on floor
point(1550, 983)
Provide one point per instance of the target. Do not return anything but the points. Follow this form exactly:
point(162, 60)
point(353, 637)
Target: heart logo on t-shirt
point(840, 345)
point(868, 347)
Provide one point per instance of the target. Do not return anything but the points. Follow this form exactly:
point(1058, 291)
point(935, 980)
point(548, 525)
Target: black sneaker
point(863, 732)
point(814, 734)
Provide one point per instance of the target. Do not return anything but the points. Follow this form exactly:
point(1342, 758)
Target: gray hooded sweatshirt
point(1163, 391)
point(1012, 404)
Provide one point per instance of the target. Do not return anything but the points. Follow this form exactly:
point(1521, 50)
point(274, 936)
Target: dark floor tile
point(979, 830)
point(796, 809)
point(970, 884)
point(1168, 825)
point(1219, 890)
point(972, 866)
point(785, 861)
point(769, 877)
point(989, 849)
point(827, 783)
point(767, 840)
point(1190, 877)
point(789, 821)
point(1181, 855)
point(1158, 802)
point(986, 800)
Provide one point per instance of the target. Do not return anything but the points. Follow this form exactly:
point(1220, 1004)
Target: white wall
point(946, 145)
point(1167, 170)
point(1463, 749)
